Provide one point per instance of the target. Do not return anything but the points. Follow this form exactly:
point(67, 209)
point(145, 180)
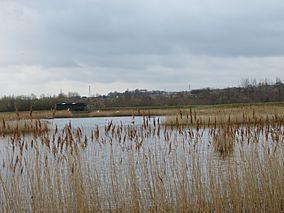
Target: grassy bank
point(173, 110)
point(201, 110)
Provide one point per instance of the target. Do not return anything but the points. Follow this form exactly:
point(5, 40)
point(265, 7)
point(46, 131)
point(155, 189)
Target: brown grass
point(19, 128)
point(148, 168)
point(11, 116)
point(233, 115)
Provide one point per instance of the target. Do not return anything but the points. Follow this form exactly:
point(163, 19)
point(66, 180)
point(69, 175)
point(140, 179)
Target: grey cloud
point(157, 42)
point(75, 29)
point(158, 31)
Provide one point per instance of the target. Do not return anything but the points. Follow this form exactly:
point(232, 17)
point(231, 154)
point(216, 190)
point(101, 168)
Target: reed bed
point(222, 116)
point(147, 167)
point(19, 124)
point(22, 127)
point(12, 116)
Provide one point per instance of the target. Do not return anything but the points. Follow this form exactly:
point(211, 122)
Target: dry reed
point(149, 167)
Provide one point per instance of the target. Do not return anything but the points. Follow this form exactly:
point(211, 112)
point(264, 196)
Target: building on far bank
point(71, 106)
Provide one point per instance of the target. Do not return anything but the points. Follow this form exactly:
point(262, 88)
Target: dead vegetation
point(195, 166)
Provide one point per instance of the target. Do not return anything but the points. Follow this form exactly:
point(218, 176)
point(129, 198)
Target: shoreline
point(138, 111)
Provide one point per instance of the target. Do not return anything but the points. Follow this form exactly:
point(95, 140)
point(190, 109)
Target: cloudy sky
point(48, 46)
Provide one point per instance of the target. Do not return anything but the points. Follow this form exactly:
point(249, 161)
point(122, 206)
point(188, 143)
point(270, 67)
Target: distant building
point(71, 106)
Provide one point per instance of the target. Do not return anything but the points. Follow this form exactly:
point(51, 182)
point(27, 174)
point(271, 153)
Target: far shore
point(145, 111)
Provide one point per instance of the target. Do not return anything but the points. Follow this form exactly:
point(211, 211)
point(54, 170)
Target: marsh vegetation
point(213, 160)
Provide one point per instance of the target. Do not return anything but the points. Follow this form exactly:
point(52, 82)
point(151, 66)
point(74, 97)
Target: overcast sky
point(48, 46)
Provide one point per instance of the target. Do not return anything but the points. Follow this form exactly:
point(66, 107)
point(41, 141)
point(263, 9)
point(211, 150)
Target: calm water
point(165, 143)
point(115, 145)
point(89, 123)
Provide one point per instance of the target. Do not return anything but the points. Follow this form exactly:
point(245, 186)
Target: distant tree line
point(248, 92)
point(26, 103)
